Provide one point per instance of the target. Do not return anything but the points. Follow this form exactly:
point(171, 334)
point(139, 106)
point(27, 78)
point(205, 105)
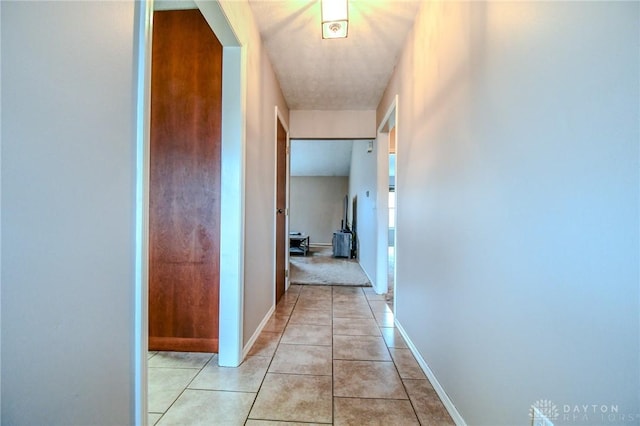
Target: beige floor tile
point(390, 304)
point(276, 324)
point(393, 337)
point(310, 316)
point(290, 397)
point(366, 348)
point(153, 418)
point(385, 320)
point(302, 359)
point(180, 359)
point(251, 422)
point(198, 407)
point(315, 290)
point(407, 366)
point(165, 385)
point(368, 290)
point(348, 290)
point(355, 327)
point(303, 334)
point(343, 303)
point(349, 310)
point(294, 288)
point(323, 304)
point(379, 307)
point(314, 302)
point(289, 297)
point(346, 298)
point(374, 296)
point(265, 344)
point(245, 378)
point(284, 309)
point(299, 388)
point(367, 379)
point(383, 412)
point(348, 293)
point(427, 404)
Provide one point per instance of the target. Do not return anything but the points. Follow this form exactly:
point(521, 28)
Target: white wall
point(517, 269)
point(362, 184)
point(348, 124)
point(262, 95)
point(317, 206)
point(68, 174)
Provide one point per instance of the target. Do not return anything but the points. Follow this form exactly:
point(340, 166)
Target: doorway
point(391, 264)
point(282, 208)
point(387, 254)
point(231, 195)
point(319, 189)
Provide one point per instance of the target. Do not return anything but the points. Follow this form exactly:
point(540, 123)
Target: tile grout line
point(415, 413)
point(272, 356)
point(185, 388)
point(333, 381)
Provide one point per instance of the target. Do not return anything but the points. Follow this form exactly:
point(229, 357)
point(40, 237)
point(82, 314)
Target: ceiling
point(338, 74)
point(321, 157)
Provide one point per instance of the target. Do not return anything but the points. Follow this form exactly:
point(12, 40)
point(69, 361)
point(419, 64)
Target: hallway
point(328, 355)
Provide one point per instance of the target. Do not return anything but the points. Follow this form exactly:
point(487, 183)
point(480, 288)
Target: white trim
point(446, 401)
point(143, 35)
point(382, 197)
point(232, 185)
point(395, 186)
point(232, 213)
point(255, 335)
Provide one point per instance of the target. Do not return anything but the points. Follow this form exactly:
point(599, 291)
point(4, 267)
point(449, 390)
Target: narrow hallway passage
point(328, 355)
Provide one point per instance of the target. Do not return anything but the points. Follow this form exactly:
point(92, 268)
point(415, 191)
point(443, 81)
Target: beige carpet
point(319, 267)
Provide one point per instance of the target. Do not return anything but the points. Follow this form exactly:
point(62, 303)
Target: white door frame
point(232, 193)
point(382, 262)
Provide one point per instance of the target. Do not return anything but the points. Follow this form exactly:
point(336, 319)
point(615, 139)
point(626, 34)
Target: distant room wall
point(316, 205)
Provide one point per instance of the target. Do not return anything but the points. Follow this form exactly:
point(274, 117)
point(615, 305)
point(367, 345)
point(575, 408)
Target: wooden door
point(281, 208)
point(184, 210)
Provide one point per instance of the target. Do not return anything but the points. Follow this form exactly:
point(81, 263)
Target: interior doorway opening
point(391, 250)
point(387, 254)
point(319, 190)
point(231, 195)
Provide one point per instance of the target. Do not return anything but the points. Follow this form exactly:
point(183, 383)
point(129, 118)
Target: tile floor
point(328, 355)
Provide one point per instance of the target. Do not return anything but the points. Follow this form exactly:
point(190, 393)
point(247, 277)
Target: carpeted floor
point(319, 267)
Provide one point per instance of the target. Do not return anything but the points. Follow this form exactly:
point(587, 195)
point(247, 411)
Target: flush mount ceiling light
point(335, 18)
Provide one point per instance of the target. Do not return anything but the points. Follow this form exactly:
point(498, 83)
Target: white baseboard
point(255, 335)
point(453, 412)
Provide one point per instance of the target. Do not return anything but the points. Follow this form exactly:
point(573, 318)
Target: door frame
point(278, 117)
point(390, 120)
point(232, 194)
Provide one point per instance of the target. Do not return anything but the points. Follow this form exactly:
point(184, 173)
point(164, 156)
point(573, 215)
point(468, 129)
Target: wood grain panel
point(184, 213)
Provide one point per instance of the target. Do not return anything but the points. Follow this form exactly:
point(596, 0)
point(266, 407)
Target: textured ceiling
point(321, 157)
point(337, 74)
